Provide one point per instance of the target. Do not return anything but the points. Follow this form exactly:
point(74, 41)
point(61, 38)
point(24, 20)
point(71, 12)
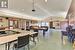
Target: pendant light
point(33, 10)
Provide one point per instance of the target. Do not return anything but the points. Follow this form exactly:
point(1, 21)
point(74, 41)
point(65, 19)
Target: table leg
point(34, 40)
point(43, 33)
point(62, 37)
point(6, 46)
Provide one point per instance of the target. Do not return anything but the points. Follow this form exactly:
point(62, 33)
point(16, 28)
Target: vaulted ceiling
point(43, 9)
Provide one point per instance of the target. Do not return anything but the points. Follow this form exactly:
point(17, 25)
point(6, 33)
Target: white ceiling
point(71, 12)
point(43, 9)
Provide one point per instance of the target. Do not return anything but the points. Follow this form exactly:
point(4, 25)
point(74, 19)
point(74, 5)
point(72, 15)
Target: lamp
point(46, 0)
point(33, 7)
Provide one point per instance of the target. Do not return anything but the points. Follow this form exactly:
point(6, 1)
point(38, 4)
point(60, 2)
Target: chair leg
point(62, 37)
point(34, 40)
point(16, 49)
point(13, 48)
point(38, 38)
point(28, 47)
point(6, 46)
point(9, 46)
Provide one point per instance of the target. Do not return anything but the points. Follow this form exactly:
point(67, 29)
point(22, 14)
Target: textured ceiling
point(43, 9)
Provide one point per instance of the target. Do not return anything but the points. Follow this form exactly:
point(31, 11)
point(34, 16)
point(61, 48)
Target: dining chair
point(22, 41)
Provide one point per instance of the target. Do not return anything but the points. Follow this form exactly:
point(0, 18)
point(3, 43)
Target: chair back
point(64, 33)
point(35, 35)
point(3, 32)
point(35, 30)
point(23, 41)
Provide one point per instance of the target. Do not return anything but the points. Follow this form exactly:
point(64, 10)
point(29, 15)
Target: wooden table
point(9, 38)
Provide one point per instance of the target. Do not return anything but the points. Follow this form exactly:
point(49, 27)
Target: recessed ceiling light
point(46, 0)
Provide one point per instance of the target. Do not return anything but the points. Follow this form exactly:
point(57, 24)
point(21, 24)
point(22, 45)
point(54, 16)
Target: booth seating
point(22, 42)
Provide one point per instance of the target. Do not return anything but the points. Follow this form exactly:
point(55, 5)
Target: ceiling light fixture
point(33, 7)
point(46, 0)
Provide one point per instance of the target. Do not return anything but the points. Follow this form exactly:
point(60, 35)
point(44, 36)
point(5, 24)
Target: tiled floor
point(52, 41)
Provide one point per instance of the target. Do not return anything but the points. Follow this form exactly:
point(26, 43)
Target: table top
point(8, 38)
